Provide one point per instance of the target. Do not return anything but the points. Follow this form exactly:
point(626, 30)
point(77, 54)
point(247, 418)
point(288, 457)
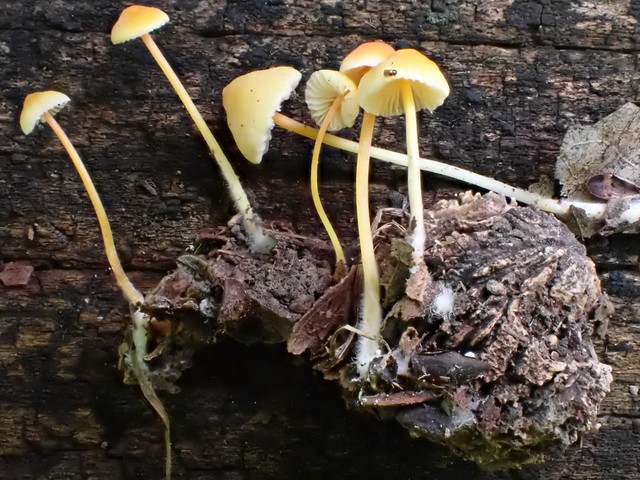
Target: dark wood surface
point(521, 73)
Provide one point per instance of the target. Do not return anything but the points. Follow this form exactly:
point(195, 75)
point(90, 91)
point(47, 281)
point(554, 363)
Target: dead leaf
point(16, 274)
point(420, 285)
point(450, 367)
point(398, 399)
point(603, 160)
point(607, 186)
point(328, 313)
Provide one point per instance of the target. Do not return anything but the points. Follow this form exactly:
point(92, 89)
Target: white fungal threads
point(366, 351)
point(366, 348)
point(444, 302)
point(402, 361)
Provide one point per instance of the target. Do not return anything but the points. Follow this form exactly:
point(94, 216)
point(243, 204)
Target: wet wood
point(521, 72)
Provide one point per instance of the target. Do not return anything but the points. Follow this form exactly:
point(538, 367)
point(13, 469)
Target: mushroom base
point(489, 341)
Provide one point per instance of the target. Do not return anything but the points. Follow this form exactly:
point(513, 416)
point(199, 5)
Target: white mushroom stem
point(371, 322)
point(131, 293)
point(260, 242)
point(418, 236)
point(139, 319)
point(560, 207)
point(142, 372)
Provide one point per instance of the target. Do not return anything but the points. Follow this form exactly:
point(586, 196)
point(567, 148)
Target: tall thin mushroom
point(405, 83)
point(252, 102)
point(333, 103)
point(137, 21)
point(355, 65)
point(40, 107)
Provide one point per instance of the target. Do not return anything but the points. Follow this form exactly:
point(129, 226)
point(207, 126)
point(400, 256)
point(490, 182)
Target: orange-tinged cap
point(37, 103)
point(363, 58)
point(250, 102)
point(323, 88)
point(135, 21)
point(379, 89)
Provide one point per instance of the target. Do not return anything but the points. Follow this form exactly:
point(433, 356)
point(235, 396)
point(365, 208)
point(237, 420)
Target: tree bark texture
point(521, 73)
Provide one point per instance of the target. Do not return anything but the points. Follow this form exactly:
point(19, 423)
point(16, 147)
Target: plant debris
point(330, 312)
point(506, 371)
point(513, 362)
point(232, 292)
point(603, 161)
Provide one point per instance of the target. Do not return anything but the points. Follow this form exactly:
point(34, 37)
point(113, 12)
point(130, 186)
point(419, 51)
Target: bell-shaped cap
point(326, 86)
point(250, 102)
point(37, 103)
point(379, 89)
point(363, 58)
point(135, 21)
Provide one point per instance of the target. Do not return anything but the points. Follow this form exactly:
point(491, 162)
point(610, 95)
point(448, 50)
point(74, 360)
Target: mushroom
point(137, 21)
point(355, 65)
point(363, 58)
point(405, 83)
point(332, 100)
point(251, 102)
point(40, 107)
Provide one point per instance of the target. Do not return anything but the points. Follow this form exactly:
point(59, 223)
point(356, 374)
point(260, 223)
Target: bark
point(521, 72)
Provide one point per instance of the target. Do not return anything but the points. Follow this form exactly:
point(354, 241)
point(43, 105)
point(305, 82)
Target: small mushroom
point(245, 137)
point(332, 100)
point(40, 107)
point(405, 83)
point(363, 58)
point(355, 65)
point(251, 102)
point(137, 21)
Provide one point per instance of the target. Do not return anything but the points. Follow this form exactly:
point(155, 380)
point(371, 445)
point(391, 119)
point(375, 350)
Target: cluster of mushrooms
point(381, 81)
point(375, 78)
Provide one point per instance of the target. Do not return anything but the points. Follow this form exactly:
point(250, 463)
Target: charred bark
point(521, 72)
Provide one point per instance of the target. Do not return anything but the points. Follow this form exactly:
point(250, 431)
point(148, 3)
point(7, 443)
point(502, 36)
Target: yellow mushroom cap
point(363, 58)
point(379, 90)
point(37, 103)
point(250, 102)
point(135, 21)
point(323, 88)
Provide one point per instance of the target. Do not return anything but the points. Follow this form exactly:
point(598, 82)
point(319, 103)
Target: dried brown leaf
point(16, 274)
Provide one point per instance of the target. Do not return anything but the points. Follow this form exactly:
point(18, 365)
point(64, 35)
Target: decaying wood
point(521, 72)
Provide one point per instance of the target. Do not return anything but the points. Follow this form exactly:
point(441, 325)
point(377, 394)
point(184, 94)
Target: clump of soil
point(510, 360)
point(229, 291)
point(489, 348)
